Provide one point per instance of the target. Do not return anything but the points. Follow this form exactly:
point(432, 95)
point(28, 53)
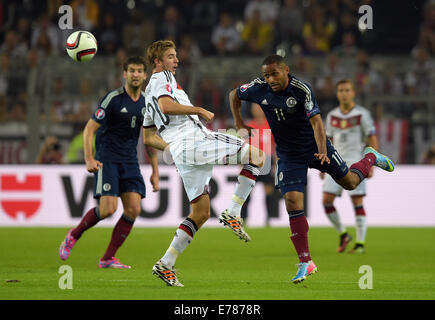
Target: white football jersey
point(172, 128)
point(349, 131)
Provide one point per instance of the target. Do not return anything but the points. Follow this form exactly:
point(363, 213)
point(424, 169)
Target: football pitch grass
point(218, 266)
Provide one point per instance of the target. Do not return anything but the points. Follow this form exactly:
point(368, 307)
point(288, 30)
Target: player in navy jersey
point(294, 119)
point(117, 123)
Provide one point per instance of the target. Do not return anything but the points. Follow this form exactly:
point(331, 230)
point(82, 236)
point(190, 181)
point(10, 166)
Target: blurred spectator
point(172, 26)
point(427, 31)
point(115, 77)
point(417, 80)
point(13, 47)
point(59, 109)
point(44, 47)
point(333, 68)
point(86, 14)
point(347, 48)
point(83, 106)
point(117, 9)
point(209, 96)
point(205, 13)
point(188, 50)
point(23, 31)
point(50, 152)
point(390, 83)
point(75, 152)
point(256, 35)
point(326, 96)
point(17, 112)
point(290, 22)
point(108, 35)
point(362, 72)
point(225, 37)
point(138, 34)
point(268, 10)
point(4, 70)
point(46, 36)
point(318, 31)
point(347, 24)
point(429, 156)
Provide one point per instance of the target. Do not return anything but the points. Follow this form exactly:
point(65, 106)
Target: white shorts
point(195, 163)
point(330, 186)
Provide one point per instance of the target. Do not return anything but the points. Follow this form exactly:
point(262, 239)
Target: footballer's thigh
point(196, 179)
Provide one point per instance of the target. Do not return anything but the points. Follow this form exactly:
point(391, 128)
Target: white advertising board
point(34, 195)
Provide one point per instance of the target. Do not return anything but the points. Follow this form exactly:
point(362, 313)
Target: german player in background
point(301, 143)
point(350, 128)
point(195, 150)
point(117, 123)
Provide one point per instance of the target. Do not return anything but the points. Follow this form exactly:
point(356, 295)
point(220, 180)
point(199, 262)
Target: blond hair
point(343, 81)
point(157, 49)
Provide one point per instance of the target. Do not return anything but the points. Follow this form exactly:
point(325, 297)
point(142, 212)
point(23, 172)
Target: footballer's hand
point(206, 115)
point(154, 179)
point(242, 128)
point(322, 157)
point(93, 165)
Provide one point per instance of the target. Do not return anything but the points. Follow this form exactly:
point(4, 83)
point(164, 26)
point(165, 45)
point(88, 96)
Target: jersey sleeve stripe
point(303, 87)
point(110, 96)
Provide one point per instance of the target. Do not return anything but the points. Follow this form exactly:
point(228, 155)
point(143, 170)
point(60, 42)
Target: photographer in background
point(50, 152)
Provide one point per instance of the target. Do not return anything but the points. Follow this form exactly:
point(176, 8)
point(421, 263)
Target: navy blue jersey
point(287, 112)
point(121, 120)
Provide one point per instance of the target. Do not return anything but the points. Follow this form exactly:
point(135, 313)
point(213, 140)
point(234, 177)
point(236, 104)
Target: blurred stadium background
point(46, 98)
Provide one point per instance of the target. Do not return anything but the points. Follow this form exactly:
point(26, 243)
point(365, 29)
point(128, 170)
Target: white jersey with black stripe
point(190, 142)
point(172, 128)
point(349, 131)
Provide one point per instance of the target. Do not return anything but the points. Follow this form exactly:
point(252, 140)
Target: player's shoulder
point(300, 85)
point(361, 109)
point(111, 97)
point(256, 84)
point(334, 111)
point(164, 76)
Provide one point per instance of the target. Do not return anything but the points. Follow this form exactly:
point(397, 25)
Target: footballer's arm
point(91, 127)
point(320, 137)
point(171, 107)
point(236, 110)
point(151, 139)
point(154, 178)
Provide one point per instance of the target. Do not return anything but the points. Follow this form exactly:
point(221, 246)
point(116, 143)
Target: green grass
point(218, 266)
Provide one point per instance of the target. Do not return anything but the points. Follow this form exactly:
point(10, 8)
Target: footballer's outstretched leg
point(382, 161)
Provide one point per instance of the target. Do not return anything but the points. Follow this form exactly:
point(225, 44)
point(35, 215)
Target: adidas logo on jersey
point(264, 102)
point(124, 110)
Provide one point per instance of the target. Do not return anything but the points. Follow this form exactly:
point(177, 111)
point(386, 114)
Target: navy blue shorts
point(291, 171)
point(113, 179)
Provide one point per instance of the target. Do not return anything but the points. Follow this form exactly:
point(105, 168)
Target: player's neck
point(134, 93)
point(346, 108)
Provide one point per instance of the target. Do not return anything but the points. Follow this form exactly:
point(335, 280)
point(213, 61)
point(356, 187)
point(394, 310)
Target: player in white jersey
point(350, 127)
point(195, 150)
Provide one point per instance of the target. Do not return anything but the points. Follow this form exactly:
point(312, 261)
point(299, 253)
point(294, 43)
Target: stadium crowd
point(306, 29)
